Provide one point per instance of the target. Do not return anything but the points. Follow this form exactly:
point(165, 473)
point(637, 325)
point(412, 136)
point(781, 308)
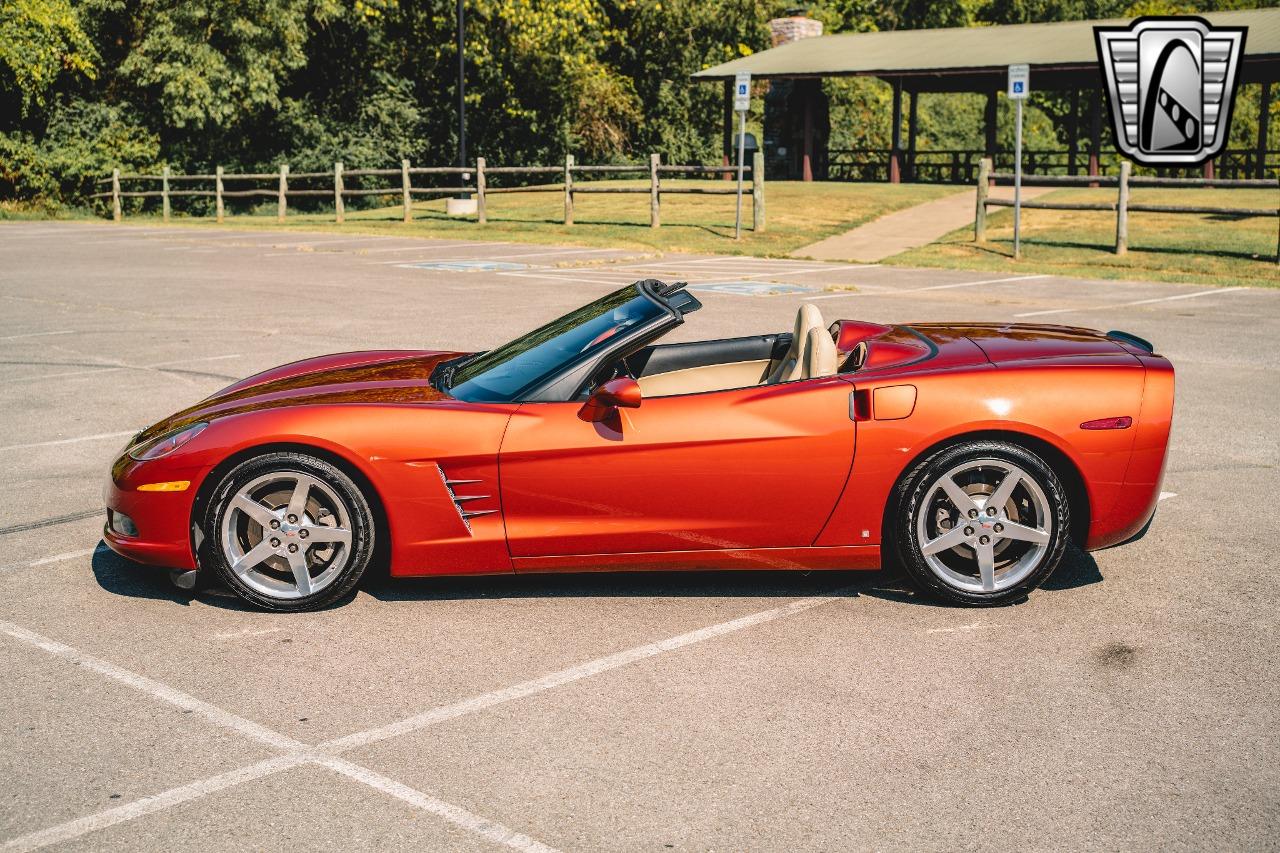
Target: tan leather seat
point(820, 356)
point(791, 367)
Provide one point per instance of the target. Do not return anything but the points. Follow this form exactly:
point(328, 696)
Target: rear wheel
point(288, 532)
point(982, 523)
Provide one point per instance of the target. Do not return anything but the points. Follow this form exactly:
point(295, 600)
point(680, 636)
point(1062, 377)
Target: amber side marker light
point(172, 486)
point(1108, 423)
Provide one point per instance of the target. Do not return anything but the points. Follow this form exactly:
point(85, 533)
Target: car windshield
point(506, 372)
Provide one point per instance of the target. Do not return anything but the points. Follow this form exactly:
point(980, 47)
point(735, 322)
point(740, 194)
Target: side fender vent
point(460, 501)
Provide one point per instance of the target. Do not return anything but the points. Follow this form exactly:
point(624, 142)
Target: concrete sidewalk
point(905, 229)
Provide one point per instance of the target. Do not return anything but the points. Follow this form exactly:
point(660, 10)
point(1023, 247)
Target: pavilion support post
point(912, 121)
point(1264, 121)
point(895, 146)
point(806, 166)
point(1073, 133)
point(1095, 135)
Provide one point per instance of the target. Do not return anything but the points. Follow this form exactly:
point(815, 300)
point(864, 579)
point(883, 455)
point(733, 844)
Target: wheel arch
point(1057, 459)
point(382, 540)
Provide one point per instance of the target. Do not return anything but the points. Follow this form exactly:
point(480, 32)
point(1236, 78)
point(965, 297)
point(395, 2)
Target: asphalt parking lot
point(1132, 703)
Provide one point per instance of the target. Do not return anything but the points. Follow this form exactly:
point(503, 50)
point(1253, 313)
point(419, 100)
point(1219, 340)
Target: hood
point(1007, 342)
point(379, 376)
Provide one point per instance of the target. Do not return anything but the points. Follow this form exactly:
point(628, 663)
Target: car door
point(758, 467)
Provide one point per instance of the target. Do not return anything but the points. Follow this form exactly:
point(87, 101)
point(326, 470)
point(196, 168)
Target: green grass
point(798, 214)
point(1213, 250)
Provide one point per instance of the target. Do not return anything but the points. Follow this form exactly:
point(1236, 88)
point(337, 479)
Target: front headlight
point(165, 444)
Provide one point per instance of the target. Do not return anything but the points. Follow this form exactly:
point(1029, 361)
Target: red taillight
point(1108, 423)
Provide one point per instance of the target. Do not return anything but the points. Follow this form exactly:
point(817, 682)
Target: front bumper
point(162, 519)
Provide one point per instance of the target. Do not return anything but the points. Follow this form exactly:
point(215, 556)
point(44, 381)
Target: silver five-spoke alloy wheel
point(286, 535)
point(984, 526)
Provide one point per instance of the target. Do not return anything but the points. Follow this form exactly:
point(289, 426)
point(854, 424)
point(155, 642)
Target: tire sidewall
point(917, 483)
point(362, 528)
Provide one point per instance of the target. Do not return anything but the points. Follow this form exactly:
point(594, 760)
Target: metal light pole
point(462, 97)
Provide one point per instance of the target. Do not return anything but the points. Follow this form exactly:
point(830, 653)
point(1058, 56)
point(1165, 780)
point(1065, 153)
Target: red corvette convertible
point(966, 453)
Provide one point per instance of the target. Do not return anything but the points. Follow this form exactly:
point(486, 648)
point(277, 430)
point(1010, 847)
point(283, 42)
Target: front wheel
point(288, 532)
point(982, 523)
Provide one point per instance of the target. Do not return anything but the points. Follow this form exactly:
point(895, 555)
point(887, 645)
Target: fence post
point(757, 192)
point(282, 199)
point(568, 189)
point(480, 185)
point(1122, 209)
point(217, 193)
point(655, 214)
point(980, 210)
point(115, 195)
point(339, 211)
point(164, 192)
point(405, 186)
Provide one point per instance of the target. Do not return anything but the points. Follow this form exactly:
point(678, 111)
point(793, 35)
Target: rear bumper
point(162, 519)
point(1129, 518)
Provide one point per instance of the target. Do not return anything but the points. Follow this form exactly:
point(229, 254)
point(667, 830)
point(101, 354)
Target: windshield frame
point(563, 381)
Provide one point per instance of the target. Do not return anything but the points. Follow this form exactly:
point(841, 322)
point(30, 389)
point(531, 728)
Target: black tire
point(947, 578)
point(359, 518)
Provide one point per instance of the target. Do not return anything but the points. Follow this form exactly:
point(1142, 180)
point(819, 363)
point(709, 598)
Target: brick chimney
point(793, 26)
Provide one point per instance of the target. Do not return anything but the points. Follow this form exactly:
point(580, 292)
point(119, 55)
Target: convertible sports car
point(966, 453)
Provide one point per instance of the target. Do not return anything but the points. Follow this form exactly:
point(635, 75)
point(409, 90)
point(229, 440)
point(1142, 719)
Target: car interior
point(665, 370)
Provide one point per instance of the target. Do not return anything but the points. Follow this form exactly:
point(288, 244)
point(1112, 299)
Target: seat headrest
point(820, 357)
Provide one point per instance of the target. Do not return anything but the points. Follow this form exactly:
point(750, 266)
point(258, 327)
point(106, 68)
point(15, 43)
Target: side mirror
point(620, 393)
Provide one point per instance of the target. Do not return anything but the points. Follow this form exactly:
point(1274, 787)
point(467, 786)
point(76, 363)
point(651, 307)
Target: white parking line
point(895, 292)
point(95, 437)
point(484, 827)
point(147, 805)
point(568, 279)
point(296, 754)
point(567, 676)
point(1195, 295)
point(111, 367)
point(56, 558)
point(36, 335)
point(324, 754)
point(423, 248)
point(491, 257)
point(1164, 496)
point(156, 690)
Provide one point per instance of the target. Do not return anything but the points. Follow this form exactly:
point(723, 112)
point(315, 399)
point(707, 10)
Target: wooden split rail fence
point(471, 181)
point(1122, 206)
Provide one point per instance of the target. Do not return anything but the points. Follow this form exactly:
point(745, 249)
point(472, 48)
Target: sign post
point(1019, 88)
point(741, 103)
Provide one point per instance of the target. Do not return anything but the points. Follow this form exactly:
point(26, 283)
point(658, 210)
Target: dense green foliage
point(87, 85)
